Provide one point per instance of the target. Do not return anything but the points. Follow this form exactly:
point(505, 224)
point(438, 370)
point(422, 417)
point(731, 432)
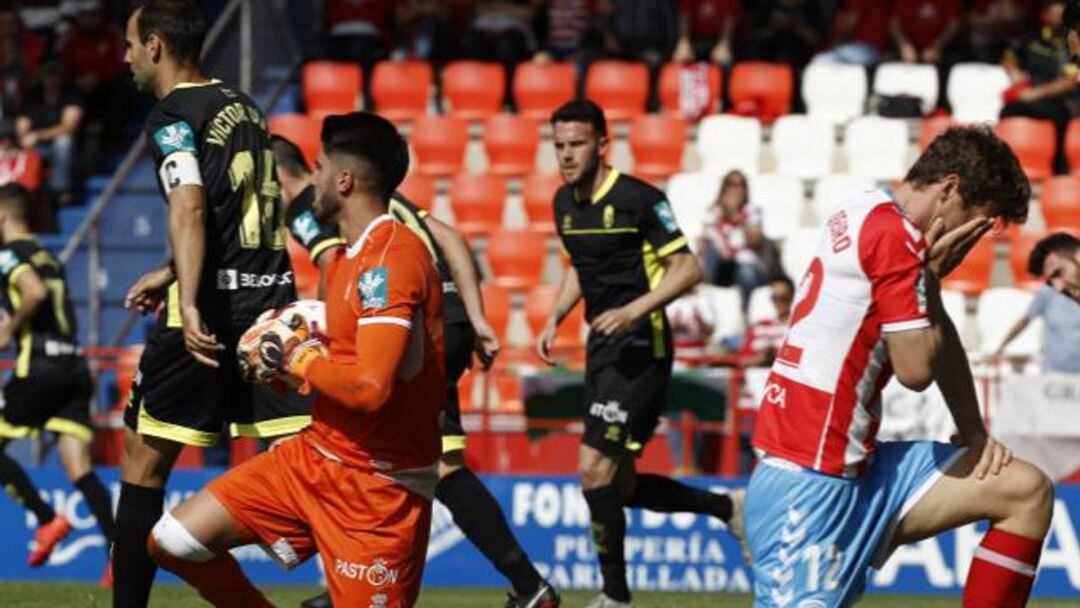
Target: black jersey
point(615, 242)
point(51, 333)
point(246, 269)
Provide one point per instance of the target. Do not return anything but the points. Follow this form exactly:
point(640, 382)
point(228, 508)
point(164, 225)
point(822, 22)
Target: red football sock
point(219, 581)
point(1002, 571)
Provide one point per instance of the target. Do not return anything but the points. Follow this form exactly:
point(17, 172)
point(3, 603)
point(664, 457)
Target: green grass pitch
point(169, 596)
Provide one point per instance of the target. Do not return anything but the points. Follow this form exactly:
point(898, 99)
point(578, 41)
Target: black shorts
point(55, 397)
point(177, 398)
point(625, 392)
point(458, 341)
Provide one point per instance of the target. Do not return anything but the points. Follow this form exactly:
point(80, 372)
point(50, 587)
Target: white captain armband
point(179, 169)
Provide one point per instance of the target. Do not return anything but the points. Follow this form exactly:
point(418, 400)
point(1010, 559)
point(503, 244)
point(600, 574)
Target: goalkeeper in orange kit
point(356, 486)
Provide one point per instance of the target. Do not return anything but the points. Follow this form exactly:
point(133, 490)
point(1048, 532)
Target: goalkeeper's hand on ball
point(278, 348)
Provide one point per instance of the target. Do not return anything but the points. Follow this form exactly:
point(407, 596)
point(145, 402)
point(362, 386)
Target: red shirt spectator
point(20, 165)
point(708, 17)
point(353, 17)
point(93, 54)
point(922, 23)
point(871, 22)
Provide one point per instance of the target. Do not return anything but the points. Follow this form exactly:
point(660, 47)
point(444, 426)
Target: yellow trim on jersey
point(26, 337)
point(609, 183)
point(270, 428)
point(671, 247)
point(628, 230)
point(148, 425)
point(192, 85)
point(634, 446)
point(413, 222)
point(15, 274)
point(70, 427)
point(10, 431)
point(654, 272)
point(172, 307)
point(453, 443)
point(318, 250)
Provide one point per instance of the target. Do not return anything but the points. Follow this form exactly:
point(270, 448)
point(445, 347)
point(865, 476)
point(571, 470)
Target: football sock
point(219, 581)
point(97, 498)
point(609, 534)
point(22, 490)
point(480, 518)
point(665, 495)
point(1002, 571)
point(139, 509)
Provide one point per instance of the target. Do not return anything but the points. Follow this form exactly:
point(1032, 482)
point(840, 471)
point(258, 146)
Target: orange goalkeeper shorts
point(371, 532)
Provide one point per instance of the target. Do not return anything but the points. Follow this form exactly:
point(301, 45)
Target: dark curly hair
point(990, 174)
point(1061, 243)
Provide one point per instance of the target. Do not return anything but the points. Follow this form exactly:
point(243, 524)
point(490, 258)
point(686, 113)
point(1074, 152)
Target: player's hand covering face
point(948, 249)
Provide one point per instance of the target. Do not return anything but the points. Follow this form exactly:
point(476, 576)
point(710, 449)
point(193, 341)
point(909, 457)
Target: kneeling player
point(357, 485)
point(828, 501)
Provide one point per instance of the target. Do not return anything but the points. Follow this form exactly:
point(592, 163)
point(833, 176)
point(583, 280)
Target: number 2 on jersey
point(260, 220)
point(809, 290)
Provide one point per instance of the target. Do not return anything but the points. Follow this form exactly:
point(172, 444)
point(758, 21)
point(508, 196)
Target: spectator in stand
point(732, 246)
point(787, 31)
point(924, 29)
point(44, 17)
point(359, 31)
point(1044, 77)
point(567, 26)
point(49, 121)
point(1061, 331)
point(1056, 260)
point(93, 56)
point(641, 30)
point(706, 31)
point(860, 33)
point(17, 164)
point(423, 30)
point(503, 31)
point(763, 339)
point(21, 53)
point(992, 24)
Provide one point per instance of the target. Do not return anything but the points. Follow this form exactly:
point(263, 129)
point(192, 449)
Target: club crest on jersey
point(8, 261)
point(567, 222)
point(666, 216)
point(609, 217)
point(177, 137)
point(373, 289)
point(305, 227)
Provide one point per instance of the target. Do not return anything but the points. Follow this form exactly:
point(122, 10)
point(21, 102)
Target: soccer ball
point(275, 332)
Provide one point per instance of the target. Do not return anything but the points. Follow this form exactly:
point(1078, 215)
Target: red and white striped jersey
point(822, 403)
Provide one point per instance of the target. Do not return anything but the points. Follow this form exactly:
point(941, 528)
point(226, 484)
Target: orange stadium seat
point(331, 87)
point(474, 89)
point(538, 192)
point(1060, 201)
point(419, 188)
point(619, 87)
point(439, 143)
point(761, 89)
point(931, 128)
point(1020, 247)
point(516, 257)
point(1032, 141)
point(305, 273)
point(400, 89)
point(538, 307)
point(541, 88)
point(300, 129)
point(671, 87)
point(497, 308)
point(973, 274)
point(657, 143)
point(1072, 145)
point(511, 142)
point(478, 202)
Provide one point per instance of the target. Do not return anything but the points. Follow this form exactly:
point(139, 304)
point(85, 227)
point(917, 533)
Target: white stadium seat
point(999, 308)
point(834, 92)
point(877, 148)
point(955, 303)
point(798, 250)
point(691, 195)
point(803, 146)
point(781, 200)
point(761, 307)
point(727, 309)
point(920, 81)
point(975, 91)
point(832, 190)
point(728, 142)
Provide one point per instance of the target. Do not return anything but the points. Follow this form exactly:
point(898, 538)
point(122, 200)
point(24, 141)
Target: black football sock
point(609, 534)
point(665, 495)
point(480, 518)
point(97, 498)
point(139, 509)
point(23, 491)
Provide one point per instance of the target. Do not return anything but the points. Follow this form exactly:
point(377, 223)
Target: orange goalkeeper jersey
point(380, 392)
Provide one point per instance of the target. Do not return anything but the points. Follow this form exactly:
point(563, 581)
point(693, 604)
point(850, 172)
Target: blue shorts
point(814, 537)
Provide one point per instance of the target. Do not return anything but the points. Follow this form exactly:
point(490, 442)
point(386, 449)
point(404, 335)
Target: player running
point(628, 260)
point(212, 152)
point(357, 485)
point(474, 510)
point(51, 387)
point(828, 501)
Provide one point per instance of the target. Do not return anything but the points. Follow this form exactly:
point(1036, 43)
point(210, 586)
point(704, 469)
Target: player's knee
point(1028, 491)
point(170, 541)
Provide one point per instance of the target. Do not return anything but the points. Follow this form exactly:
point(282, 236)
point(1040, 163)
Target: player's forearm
point(323, 264)
point(1014, 331)
point(569, 294)
point(187, 234)
point(681, 274)
point(459, 258)
point(363, 385)
point(953, 376)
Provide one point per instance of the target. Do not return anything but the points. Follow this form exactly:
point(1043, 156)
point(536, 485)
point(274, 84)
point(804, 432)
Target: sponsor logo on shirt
point(177, 137)
point(230, 279)
point(372, 286)
point(666, 216)
point(305, 227)
point(8, 261)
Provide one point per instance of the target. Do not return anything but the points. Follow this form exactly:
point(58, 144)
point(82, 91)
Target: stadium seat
point(497, 309)
point(955, 304)
point(691, 195)
point(761, 89)
point(619, 87)
point(973, 274)
point(478, 202)
point(1060, 202)
point(671, 82)
point(300, 129)
point(516, 257)
point(439, 144)
point(1033, 142)
point(657, 143)
point(511, 142)
point(831, 191)
point(305, 273)
point(400, 89)
point(760, 307)
point(803, 146)
point(1020, 247)
point(541, 88)
point(538, 193)
point(998, 309)
point(728, 142)
point(975, 91)
point(781, 200)
point(931, 128)
point(834, 92)
point(1072, 146)
point(538, 307)
point(726, 304)
point(331, 87)
point(798, 251)
point(877, 148)
point(419, 189)
point(915, 80)
point(473, 90)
